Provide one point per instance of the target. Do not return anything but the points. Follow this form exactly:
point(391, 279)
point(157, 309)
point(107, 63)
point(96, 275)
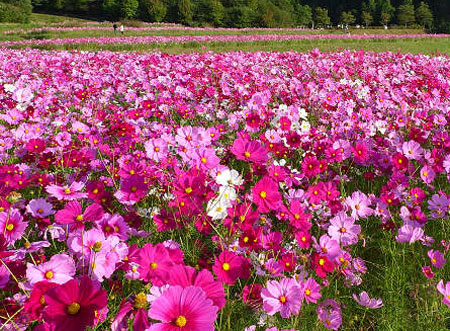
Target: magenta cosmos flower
point(229, 267)
point(284, 296)
point(181, 308)
point(73, 214)
point(249, 151)
point(12, 226)
point(154, 262)
point(71, 192)
point(436, 258)
point(132, 190)
point(59, 269)
point(266, 195)
point(73, 306)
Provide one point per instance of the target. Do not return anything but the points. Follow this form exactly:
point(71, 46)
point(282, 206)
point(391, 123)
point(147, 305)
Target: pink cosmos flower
point(365, 301)
point(40, 208)
point(156, 149)
point(409, 234)
point(297, 217)
point(266, 195)
point(36, 302)
point(73, 214)
point(229, 267)
point(445, 291)
point(427, 174)
point(206, 159)
point(154, 263)
point(114, 225)
point(59, 270)
point(284, 296)
point(426, 270)
point(69, 193)
point(310, 166)
point(181, 308)
point(185, 276)
point(132, 190)
point(360, 152)
point(12, 226)
point(412, 150)
point(437, 258)
point(359, 204)
point(343, 229)
point(330, 314)
point(249, 151)
point(310, 290)
point(74, 305)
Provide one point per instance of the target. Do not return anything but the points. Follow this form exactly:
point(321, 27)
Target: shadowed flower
point(365, 301)
point(73, 305)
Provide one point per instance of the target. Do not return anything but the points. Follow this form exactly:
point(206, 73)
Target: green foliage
point(424, 15)
point(347, 18)
point(405, 13)
point(111, 9)
point(129, 8)
point(15, 11)
point(153, 10)
point(239, 17)
point(366, 18)
point(321, 17)
point(209, 12)
point(184, 11)
point(303, 15)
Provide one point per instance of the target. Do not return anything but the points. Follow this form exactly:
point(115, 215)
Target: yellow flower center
point(79, 218)
point(188, 190)
point(73, 308)
point(67, 191)
point(321, 261)
point(282, 299)
point(95, 191)
point(263, 194)
point(247, 154)
point(42, 300)
point(133, 189)
point(180, 321)
point(49, 275)
point(153, 265)
point(226, 266)
point(203, 159)
point(140, 301)
point(10, 227)
point(307, 291)
point(343, 230)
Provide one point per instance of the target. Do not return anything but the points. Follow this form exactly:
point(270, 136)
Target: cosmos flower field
point(232, 191)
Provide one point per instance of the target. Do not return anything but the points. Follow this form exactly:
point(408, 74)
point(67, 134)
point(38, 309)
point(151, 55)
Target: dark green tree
point(321, 17)
point(405, 13)
point(153, 10)
point(424, 15)
point(184, 12)
point(347, 18)
point(129, 8)
point(366, 18)
point(303, 15)
point(111, 9)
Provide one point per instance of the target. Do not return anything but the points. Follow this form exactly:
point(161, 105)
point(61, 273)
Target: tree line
point(249, 13)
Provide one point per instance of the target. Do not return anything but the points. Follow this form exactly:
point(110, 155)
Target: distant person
point(121, 28)
point(115, 28)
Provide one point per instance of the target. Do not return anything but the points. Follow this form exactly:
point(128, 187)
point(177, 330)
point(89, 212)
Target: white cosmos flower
point(216, 209)
point(227, 193)
point(229, 178)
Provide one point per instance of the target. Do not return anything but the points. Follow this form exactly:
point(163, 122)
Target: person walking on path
point(121, 28)
point(115, 28)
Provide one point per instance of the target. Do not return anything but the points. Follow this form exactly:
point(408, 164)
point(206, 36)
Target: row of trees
point(245, 13)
